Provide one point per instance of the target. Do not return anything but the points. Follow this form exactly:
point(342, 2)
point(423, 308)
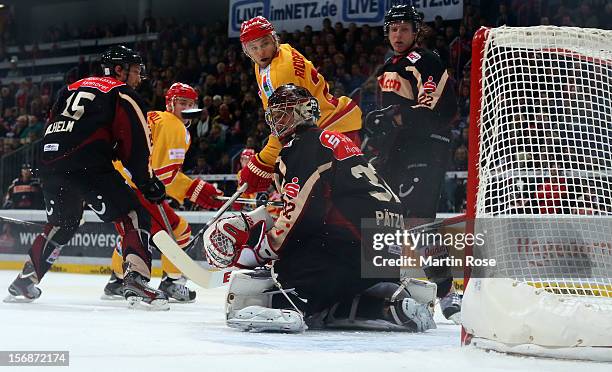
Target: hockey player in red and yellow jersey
point(279, 64)
point(171, 141)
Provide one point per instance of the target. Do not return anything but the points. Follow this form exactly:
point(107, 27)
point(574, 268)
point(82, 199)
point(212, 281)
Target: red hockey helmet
point(180, 90)
point(255, 28)
point(245, 156)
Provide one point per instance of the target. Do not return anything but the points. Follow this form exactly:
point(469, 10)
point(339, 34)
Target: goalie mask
point(289, 107)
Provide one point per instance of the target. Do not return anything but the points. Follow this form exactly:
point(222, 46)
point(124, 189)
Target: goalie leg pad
point(265, 319)
point(249, 288)
point(248, 305)
point(387, 306)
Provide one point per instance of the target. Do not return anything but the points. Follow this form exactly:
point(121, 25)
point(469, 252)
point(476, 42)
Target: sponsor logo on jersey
point(430, 85)
point(266, 82)
point(389, 84)
point(175, 154)
point(103, 84)
point(51, 147)
point(292, 189)
point(413, 57)
point(341, 145)
point(392, 81)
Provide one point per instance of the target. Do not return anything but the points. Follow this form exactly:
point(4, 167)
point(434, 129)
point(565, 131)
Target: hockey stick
point(199, 275)
point(30, 223)
point(274, 203)
point(438, 224)
point(21, 222)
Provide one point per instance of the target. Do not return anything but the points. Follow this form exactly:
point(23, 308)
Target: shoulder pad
point(341, 145)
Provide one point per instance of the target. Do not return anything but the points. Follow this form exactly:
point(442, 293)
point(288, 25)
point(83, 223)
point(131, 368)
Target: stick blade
point(199, 275)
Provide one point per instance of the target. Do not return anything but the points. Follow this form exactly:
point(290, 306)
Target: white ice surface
point(106, 336)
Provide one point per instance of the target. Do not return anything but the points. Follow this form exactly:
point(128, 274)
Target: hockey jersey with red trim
point(93, 121)
point(289, 66)
point(171, 141)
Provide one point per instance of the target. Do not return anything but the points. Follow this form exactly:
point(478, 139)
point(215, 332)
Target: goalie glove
point(257, 174)
point(203, 194)
point(224, 240)
point(257, 251)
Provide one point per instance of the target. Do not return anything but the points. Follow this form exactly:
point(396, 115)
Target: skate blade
point(175, 301)
point(112, 297)
point(135, 302)
point(10, 299)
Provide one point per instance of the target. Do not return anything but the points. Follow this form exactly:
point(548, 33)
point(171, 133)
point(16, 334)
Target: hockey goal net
point(540, 191)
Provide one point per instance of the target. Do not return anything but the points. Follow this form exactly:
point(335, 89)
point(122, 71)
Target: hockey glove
point(381, 122)
point(153, 190)
point(257, 251)
point(257, 174)
point(203, 194)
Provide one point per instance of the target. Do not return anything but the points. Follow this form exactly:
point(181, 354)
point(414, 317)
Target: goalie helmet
point(289, 107)
point(179, 90)
point(119, 55)
point(403, 13)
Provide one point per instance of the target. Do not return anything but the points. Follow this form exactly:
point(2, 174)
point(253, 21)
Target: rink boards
point(90, 250)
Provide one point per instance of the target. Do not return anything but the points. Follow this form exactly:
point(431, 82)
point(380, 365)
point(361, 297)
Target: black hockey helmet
point(119, 55)
point(289, 107)
point(403, 13)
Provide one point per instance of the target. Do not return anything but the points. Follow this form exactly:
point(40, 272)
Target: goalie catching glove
point(257, 174)
point(240, 240)
point(203, 194)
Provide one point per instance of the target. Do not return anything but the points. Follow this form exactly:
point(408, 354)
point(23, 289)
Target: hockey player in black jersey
point(25, 192)
point(328, 189)
point(94, 121)
point(419, 104)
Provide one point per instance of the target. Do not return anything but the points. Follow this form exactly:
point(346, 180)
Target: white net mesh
point(545, 155)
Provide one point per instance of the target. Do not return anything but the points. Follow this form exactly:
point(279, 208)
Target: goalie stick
point(205, 278)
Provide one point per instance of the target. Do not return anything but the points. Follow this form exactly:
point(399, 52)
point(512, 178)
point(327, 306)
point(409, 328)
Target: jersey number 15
point(74, 109)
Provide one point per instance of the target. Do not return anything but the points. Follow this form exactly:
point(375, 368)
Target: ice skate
point(113, 289)
point(451, 307)
point(137, 292)
point(23, 288)
point(176, 290)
